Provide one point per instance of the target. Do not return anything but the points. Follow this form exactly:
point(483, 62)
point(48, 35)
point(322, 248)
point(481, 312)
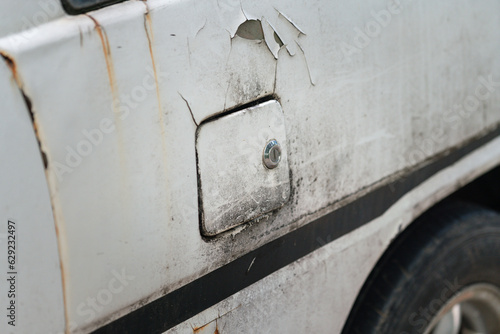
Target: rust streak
point(118, 115)
point(11, 63)
point(198, 329)
point(109, 62)
point(112, 83)
point(148, 26)
point(61, 247)
point(13, 67)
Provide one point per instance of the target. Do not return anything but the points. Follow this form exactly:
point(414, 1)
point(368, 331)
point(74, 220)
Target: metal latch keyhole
point(272, 154)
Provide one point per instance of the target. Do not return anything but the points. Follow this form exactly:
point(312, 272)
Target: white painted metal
point(235, 184)
point(368, 89)
point(316, 293)
point(22, 17)
point(24, 199)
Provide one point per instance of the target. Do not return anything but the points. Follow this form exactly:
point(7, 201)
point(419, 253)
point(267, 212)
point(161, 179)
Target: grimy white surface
point(367, 88)
point(31, 276)
point(22, 17)
point(235, 185)
point(315, 293)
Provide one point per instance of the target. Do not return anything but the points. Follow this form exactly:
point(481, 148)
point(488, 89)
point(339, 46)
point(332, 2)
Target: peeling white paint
point(138, 185)
point(315, 294)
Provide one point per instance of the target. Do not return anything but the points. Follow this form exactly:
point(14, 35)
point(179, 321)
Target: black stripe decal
point(189, 300)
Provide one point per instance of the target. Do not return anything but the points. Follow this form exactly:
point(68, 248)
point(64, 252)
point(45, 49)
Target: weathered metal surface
point(32, 292)
point(368, 89)
point(315, 294)
point(235, 185)
point(23, 17)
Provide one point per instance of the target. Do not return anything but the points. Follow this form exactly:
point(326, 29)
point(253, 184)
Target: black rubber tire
point(448, 248)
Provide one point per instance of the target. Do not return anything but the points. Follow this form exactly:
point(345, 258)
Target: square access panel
point(236, 186)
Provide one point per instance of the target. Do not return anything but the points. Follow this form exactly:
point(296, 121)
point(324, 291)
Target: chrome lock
point(272, 154)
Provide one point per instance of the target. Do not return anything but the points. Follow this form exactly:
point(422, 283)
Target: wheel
point(441, 276)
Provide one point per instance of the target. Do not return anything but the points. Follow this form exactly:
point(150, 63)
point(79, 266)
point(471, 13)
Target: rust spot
point(198, 329)
point(216, 329)
point(12, 65)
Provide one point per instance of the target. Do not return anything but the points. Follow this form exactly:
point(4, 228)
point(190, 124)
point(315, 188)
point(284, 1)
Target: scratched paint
point(204, 68)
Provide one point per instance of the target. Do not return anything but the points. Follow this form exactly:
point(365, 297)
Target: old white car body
point(382, 108)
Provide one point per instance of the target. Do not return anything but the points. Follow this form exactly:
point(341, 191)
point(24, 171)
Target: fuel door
point(243, 168)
